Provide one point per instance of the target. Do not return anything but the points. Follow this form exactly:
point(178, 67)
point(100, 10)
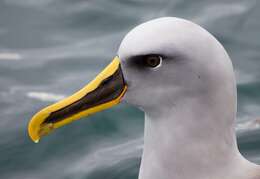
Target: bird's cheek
point(130, 96)
point(128, 78)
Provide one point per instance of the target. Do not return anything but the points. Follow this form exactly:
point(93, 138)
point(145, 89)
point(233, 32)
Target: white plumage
point(189, 103)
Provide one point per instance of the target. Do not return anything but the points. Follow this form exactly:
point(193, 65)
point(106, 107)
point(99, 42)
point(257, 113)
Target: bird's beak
point(105, 91)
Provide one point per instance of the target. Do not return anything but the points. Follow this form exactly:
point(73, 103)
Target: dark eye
point(152, 61)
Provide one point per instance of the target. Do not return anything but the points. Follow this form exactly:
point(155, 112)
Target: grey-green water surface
point(51, 48)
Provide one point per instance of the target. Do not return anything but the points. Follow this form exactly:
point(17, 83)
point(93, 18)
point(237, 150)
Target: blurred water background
point(51, 48)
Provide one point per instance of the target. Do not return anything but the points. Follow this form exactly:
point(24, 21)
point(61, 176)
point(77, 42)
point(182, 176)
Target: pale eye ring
point(153, 61)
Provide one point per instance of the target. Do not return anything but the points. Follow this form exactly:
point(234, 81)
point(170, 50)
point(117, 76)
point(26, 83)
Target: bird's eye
point(152, 61)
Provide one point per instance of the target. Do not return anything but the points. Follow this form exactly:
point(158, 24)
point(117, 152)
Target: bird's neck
point(187, 141)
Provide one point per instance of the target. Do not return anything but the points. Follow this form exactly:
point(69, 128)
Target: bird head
point(160, 64)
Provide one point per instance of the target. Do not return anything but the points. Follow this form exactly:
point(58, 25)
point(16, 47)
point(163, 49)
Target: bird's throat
point(177, 142)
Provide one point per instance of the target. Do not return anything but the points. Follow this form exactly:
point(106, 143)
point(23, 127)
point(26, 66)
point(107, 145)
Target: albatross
point(182, 78)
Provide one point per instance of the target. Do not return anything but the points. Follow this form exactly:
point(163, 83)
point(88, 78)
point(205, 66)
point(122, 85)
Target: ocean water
point(51, 48)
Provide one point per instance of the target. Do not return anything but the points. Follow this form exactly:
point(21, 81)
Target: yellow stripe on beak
point(103, 92)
